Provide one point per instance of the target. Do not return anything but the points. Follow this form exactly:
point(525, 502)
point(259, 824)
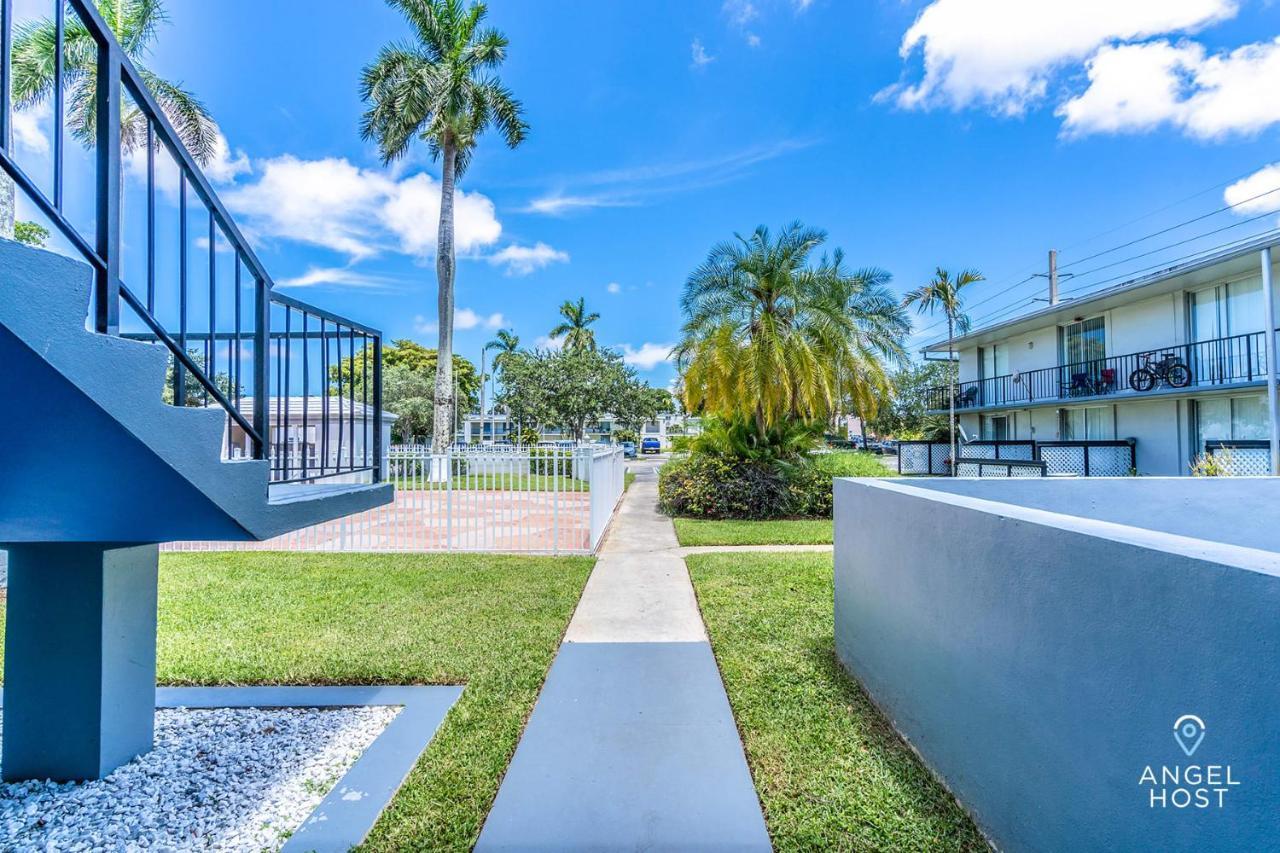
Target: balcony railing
point(195, 286)
point(1221, 361)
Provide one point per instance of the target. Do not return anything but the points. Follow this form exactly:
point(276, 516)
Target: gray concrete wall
point(1038, 661)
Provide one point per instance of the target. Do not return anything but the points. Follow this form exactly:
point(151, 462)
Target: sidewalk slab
point(632, 746)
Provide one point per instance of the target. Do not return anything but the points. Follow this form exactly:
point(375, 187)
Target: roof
point(1238, 260)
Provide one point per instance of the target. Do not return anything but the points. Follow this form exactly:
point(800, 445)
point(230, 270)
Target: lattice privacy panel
point(1063, 460)
point(1109, 461)
point(1247, 461)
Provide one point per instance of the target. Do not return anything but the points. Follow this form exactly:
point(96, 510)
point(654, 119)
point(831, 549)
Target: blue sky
point(962, 133)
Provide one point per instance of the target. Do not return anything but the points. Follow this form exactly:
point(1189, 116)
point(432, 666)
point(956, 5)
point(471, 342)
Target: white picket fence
point(555, 500)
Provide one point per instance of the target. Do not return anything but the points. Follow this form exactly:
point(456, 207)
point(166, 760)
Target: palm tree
point(135, 25)
point(439, 89)
point(575, 328)
point(770, 337)
point(507, 343)
point(946, 294)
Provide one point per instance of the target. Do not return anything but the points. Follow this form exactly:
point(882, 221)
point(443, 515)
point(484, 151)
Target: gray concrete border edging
point(348, 812)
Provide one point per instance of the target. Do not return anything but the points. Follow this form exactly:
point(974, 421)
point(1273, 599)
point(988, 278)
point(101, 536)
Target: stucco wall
point(1038, 661)
point(1145, 325)
point(1160, 427)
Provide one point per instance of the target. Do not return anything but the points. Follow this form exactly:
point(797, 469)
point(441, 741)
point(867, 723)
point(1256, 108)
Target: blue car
point(650, 445)
point(629, 450)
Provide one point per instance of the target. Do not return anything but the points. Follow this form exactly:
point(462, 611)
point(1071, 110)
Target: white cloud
point(340, 276)
point(556, 204)
point(465, 318)
point(522, 260)
point(634, 185)
point(1002, 53)
point(613, 287)
point(1258, 193)
point(357, 212)
point(700, 55)
point(224, 167)
point(740, 12)
point(753, 40)
point(28, 129)
point(648, 356)
point(1138, 87)
point(547, 342)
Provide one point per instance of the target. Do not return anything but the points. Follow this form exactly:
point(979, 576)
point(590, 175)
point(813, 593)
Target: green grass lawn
point(831, 772)
point(790, 531)
point(490, 622)
point(502, 482)
point(853, 463)
point(627, 479)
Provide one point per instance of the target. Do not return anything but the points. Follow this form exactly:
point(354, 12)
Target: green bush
point(704, 485)
point(680, 443)
point(550, 461)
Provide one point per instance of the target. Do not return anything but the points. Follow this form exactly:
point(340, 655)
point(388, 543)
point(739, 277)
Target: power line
point(1028, 300)
point(1170, 228)
point(1181, 242)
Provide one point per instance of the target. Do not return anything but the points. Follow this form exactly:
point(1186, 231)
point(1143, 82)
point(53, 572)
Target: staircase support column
point(79, 659)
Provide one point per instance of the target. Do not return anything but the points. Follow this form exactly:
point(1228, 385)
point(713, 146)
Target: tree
point(507, 343)
point(407, 367)
point(905, 414)
point(575, 328)
point(439, 88)
point(770, 336)
point(573, 388)
point(31, 234)
point(135, 25)
point(193, 392)
point(945, 294)
point(638, 403)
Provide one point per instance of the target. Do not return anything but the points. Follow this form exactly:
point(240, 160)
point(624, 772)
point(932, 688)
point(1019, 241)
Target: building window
point(1242, 418)
point(1087, 423)
point(1084, 341)
point(1225, 310)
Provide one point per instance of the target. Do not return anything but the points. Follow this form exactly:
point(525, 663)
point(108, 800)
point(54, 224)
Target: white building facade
point(1176, 361)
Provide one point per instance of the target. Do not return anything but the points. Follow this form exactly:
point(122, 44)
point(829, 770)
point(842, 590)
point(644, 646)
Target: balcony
point(1217, 363)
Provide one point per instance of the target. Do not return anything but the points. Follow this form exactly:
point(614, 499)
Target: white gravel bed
point(218, 779)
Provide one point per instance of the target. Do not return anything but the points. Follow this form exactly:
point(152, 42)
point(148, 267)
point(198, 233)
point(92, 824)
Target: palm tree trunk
point(951, 365)
point(444, 399)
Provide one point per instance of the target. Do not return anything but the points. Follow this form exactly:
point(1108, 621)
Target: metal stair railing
point(115, 77)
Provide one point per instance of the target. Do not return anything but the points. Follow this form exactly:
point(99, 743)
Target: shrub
point(551, 461)
point(703, 485)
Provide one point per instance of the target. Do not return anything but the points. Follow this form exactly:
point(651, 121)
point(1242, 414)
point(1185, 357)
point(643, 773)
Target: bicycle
point(1170, 369)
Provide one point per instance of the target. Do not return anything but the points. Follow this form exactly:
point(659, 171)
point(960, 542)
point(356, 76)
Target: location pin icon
point(1188, 731)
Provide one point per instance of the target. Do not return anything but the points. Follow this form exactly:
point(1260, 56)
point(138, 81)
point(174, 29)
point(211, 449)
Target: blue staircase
point(197, 403)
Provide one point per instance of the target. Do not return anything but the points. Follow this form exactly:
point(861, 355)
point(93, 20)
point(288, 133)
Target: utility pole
point(1053, 276)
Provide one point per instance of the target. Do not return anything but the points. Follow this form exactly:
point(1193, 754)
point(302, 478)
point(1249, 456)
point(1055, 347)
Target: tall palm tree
point(507, 343)
point(946, 294)
point(771, 337)
point(576, 326)
point(135, 25)
point(439, 88)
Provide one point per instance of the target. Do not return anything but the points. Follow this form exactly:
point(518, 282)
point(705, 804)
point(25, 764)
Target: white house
point(331, 432)
point(1176, 361)
point(480, 429)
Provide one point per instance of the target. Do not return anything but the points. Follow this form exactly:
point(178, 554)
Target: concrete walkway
point(631, 745)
